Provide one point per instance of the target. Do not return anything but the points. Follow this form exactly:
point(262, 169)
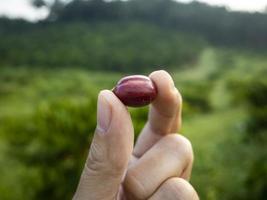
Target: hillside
point(51, 72)
point(47, 120)
point(135, 35)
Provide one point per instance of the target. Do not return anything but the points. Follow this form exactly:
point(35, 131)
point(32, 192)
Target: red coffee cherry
point(135, 91)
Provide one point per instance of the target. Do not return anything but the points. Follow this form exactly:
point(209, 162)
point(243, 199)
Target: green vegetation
point(215, 24)
point(105, 46)
point(51, 72)
point(48, 117)
point(128, 36)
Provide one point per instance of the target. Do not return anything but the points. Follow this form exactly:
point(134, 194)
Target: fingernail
point(103, 112)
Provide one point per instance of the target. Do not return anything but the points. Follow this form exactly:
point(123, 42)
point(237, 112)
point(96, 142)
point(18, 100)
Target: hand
point(157, 168)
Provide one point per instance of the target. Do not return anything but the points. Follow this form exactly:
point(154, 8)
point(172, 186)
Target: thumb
point(110, 150)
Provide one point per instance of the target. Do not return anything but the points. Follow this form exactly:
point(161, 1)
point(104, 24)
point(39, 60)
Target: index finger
point(164, 113)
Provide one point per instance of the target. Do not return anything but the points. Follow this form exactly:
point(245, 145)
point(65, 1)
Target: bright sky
point(23, 8)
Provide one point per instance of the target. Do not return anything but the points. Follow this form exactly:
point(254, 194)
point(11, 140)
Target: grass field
point(212, 122)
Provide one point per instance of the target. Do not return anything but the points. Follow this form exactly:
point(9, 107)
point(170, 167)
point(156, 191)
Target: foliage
point(48, 95)
point(128, 36)
point(217, 24)
point(47, 122)
point(53, 140)
point(252, 93)
point(194, 100)
point(100, 46)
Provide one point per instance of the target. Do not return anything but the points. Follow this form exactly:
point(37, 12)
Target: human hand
point(157, 168)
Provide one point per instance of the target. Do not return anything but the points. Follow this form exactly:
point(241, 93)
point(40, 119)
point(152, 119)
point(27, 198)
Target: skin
point(157, 167)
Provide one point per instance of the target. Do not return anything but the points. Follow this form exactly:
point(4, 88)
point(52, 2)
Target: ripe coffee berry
point(136, 91)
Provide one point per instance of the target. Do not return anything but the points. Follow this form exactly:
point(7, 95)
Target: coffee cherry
point(136, 91)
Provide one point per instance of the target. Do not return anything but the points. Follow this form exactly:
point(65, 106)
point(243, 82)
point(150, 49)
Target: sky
point(23, 8)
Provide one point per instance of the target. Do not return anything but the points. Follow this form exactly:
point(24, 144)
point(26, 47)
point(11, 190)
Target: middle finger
point(164, 115)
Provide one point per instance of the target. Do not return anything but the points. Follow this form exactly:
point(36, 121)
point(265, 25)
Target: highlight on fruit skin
point(136, 90)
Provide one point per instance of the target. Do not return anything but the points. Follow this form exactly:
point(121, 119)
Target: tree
point(39, 3)
point(55, 9)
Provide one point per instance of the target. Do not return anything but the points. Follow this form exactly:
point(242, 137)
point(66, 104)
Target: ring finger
point(175, 189)
point(172, 156)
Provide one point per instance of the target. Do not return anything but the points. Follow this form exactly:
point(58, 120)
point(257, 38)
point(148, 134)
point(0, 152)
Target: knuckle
point(180, 188)
point(180, 99)
point(180, 144)
point(99, 161)
point(178, 95)
point(133, 186)
point(173, 98)
point(103, 159)
point(96, 157)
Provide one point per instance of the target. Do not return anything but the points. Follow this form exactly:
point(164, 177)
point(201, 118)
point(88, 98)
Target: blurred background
point(56, 55)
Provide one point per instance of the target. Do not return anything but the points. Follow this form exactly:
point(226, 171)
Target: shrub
point(54, 142)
